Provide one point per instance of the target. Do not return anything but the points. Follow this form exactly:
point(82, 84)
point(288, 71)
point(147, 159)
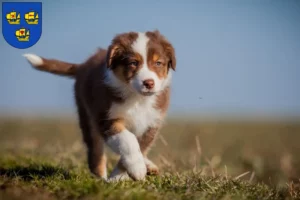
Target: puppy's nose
point(149, 83)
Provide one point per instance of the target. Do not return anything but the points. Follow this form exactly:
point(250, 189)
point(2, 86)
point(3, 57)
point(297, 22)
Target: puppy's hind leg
point(96, 157)
point(94, 143)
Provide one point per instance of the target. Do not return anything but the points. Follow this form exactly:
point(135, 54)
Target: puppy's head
point(142, 61)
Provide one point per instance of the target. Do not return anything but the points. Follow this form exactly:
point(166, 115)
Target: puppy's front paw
point(152, 169)
point(135, 166)
point(118, 174)
point(126, 145)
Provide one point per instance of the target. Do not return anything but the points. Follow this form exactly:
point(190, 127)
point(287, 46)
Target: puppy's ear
point(112, 53)
point(168, 47)
point(171, 54)
point(170, 51)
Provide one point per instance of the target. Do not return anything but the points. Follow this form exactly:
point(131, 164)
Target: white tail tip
point(34, 59)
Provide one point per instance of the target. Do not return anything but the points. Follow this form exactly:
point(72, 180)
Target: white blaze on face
point(140, 46)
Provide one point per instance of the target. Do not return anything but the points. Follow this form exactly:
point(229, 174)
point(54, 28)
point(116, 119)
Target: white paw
point(135, 165)
point(118, 175)
point(126, 145)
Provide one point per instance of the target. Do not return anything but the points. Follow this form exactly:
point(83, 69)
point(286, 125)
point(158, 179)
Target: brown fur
point(58, 67)
point(97, 98)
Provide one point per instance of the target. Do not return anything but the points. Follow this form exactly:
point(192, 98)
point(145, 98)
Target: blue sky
point(234, 57)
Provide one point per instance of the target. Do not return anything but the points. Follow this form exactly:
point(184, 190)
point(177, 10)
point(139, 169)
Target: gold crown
point(32, 17)
point(13, 17)
point(22, 34)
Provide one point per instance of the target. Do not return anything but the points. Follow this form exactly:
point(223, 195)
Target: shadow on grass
point(28, 173)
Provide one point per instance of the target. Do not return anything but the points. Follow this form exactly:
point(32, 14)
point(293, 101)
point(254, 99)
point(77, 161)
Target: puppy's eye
point(134, 63)
point(158, 63)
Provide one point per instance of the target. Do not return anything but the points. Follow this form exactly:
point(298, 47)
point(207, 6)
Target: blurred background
point(235, 94)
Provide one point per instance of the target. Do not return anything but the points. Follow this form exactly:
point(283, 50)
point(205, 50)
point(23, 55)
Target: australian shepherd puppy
point(122, 95)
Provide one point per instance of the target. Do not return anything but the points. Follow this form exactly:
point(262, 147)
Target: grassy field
point(45, 159)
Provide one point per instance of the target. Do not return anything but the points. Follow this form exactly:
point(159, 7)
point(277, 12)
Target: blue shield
point(22, 23)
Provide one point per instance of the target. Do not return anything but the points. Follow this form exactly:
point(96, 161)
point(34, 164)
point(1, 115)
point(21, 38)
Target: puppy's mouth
point(147, 93)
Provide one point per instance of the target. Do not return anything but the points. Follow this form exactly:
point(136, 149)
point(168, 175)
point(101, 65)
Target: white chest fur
point(139, 113)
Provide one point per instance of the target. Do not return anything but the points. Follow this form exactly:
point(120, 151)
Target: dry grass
point(45, 159)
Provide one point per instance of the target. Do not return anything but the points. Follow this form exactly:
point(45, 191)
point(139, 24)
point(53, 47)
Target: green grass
point(45, 159)
point(54, 181)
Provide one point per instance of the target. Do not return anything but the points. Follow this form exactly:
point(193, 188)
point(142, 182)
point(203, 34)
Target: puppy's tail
point(53, 66)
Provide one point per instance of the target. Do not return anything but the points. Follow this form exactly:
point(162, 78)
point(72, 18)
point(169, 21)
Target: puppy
point(122, 96)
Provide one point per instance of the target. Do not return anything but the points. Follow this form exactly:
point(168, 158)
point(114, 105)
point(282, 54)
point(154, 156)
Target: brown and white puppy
point(122, 95)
